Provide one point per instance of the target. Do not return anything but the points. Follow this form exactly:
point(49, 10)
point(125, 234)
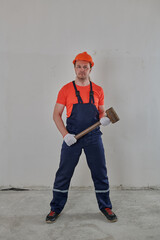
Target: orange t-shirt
point(67, 96)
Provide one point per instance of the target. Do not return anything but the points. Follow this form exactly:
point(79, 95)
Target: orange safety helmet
point(84, 57)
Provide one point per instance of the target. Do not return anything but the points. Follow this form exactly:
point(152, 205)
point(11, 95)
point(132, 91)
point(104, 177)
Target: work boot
point(51, 217)
point(111, 216)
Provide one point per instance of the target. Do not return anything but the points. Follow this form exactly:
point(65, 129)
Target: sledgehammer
point(110, 113)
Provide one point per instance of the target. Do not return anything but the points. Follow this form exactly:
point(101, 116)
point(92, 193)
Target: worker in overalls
point(84, 102)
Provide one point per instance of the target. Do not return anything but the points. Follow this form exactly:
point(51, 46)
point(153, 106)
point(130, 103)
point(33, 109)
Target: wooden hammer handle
point(87, 130)
point(110, 113)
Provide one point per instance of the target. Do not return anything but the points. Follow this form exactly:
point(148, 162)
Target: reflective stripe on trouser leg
point(68, 161)
point(96, 162)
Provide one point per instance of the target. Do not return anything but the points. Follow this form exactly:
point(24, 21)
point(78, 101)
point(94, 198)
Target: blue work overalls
point(82, 116)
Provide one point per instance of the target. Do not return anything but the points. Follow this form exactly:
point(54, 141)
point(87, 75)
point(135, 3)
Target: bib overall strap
point(77, 93)
point(91, 94)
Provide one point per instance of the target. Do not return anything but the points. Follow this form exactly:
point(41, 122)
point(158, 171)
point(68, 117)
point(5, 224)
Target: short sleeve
point(101, 97)
point(61, 98)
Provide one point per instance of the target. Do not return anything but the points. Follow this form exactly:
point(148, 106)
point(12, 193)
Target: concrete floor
point(22, 216)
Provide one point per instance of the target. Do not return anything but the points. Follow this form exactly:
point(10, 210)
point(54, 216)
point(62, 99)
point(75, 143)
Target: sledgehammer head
point(112, 115)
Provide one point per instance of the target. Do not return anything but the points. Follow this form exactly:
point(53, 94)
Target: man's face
point(82, 70)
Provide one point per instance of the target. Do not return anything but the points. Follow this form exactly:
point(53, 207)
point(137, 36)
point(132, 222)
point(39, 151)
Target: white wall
point(38, 41)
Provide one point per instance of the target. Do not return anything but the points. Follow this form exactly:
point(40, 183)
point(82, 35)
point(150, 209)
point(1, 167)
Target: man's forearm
point(60, 124)
point(101, 114)
point(101, 110)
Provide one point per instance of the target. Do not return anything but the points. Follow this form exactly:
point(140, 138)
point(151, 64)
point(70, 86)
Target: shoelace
point(51, 213)
point(109, 211)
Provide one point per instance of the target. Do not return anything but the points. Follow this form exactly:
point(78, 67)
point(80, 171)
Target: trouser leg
point(96, 161)
point(68, 161)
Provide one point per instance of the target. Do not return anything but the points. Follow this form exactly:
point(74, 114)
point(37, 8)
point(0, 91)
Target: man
point(84, 101)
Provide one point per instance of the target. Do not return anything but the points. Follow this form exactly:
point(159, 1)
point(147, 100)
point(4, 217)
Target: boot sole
point(112, 221)
point(49, 221)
